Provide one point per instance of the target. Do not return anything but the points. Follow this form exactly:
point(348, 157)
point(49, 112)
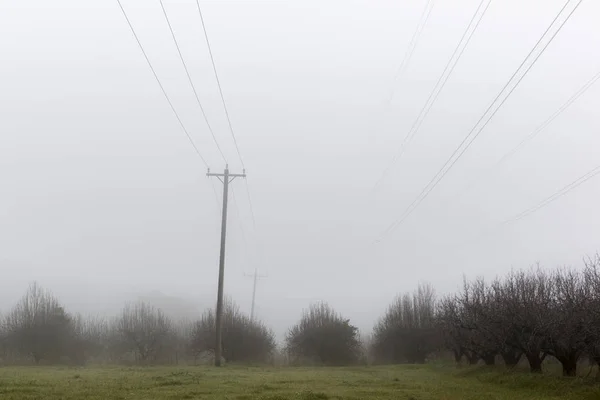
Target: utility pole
point(255, 275)
point(226, 178)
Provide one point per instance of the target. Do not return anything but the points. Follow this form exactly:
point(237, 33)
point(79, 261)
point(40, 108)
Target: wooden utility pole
point(255, 275)
point(226, 178)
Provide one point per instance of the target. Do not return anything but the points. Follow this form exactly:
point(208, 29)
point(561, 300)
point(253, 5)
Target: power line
point(251, 206)
point(216, 196)
point(555, 196)
point(437, 89)
point(255, 275)
point(539, 128)
point(187, 72)
point(452, 161)
point(239, 215)
point(212, 59)
point(244, 231)
point(513, 88)
point(161, 85)
point(218, 203)
point(471, 136)
point(412, 45)
point(579, 181)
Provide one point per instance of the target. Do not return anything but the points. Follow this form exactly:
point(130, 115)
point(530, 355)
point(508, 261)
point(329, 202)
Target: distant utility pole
point(255, 275)
point(226, 178)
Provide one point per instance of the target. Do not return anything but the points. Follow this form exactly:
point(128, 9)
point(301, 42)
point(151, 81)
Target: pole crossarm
point(232, 176)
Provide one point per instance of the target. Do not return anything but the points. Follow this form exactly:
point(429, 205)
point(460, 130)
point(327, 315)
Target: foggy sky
point(103, 199)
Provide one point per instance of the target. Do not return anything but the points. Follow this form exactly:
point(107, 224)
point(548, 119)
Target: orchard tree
point(449, 324)
point(39, 328)
point(243, 340)
point(571, 313)
point(527, 298)
point(323, 336)
point(93, 335)
point(144, 331)
point(407, 332)
point(592, 281)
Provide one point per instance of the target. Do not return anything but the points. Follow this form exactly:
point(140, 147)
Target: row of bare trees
point(525, 316)
point(38, 329)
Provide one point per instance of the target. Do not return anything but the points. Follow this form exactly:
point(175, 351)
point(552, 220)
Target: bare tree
point(450, 325)
point(592, 281)
point(567, 337)
point(407, 332)
point(38, 327)
point(475, 320)
point(145, 331)
point(93, 336)
point(497, 323)
point(483, 316)
point(4, 348)
point(526, 298)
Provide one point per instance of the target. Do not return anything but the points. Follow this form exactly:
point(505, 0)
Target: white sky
point(102, 197)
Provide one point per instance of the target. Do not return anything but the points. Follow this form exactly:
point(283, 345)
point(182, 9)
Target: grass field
point(240, 383)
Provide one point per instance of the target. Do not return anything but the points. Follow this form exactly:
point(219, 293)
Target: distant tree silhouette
point(144, 331)
point(407, 333)
point(323, 336)
point(39, 328)
point(244, 340)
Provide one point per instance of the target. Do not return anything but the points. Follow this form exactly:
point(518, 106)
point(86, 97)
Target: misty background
point(104, 201)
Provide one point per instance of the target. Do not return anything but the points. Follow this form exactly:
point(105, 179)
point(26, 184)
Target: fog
point(103, 199)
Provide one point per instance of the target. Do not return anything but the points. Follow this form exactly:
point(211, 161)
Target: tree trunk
point(473, 361)
point(511, 358)
point(489, 359)
point(596, 360)
point(457, 356)
point(535, 362)
point(420, 360)
point(569, 365)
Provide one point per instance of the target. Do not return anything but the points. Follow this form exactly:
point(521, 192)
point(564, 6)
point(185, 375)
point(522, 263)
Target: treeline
point(525, 316)
point(38, 329)
point(522, 317)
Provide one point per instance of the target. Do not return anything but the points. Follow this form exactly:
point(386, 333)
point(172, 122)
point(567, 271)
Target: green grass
point(239, 383)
